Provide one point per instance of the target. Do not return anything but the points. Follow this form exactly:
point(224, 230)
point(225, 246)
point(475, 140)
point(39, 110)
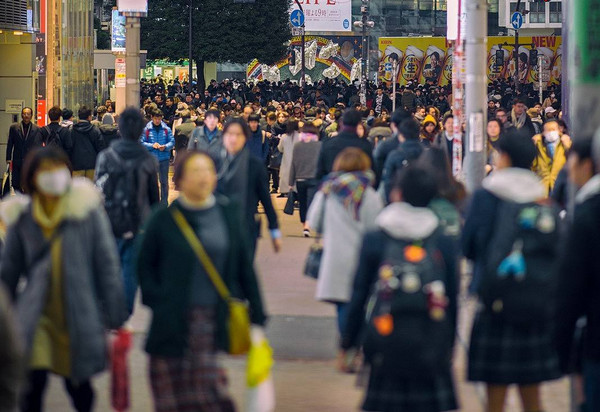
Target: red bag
point(119, 370)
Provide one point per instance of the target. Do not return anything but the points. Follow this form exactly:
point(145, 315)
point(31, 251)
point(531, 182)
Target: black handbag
point(289, 205)
point(315, 254)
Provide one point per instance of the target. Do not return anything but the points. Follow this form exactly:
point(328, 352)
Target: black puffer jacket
point(87, 143)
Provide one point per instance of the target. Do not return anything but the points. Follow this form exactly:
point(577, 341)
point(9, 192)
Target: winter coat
point(286, 146)
point(304, 161)
point(146, 167)
point(545, 167)
point(64, 136)
point(20, 144)
point(579, 284)
point(91, 276)
point(163, 136)
point(87, 143)
point(342, 238)
point(258, 144)
point(164, 267)
point(333, 147)
point(199, 141)
point(110, 133)
point(409, 151)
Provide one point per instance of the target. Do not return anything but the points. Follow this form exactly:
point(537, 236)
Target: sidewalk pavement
point(303, 334)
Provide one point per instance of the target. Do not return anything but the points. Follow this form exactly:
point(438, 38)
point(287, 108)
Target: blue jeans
point(342, 312)
point(591, 382)
point(163, 178)
point(127, 253)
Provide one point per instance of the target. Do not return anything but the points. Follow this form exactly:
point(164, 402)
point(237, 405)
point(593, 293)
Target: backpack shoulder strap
point(147, 134)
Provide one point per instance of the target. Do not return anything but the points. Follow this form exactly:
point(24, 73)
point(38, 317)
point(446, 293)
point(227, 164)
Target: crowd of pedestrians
point(375, 187)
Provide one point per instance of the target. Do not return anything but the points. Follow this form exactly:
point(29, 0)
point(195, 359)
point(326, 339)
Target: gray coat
point(91, 276)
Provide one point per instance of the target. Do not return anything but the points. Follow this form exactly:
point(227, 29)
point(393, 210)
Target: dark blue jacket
point(408, 151)
point(258, 146)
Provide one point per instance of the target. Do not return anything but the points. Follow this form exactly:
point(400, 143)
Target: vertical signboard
point(117, 38)
point(120, 72)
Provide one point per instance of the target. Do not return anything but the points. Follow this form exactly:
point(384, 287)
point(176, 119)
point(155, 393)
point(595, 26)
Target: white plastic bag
point(261, 398)
point(261, 390)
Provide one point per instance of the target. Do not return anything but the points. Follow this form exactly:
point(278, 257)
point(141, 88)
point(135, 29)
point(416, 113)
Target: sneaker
point(306, 233)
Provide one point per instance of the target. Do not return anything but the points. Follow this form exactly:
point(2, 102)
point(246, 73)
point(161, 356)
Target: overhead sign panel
point(326, 15)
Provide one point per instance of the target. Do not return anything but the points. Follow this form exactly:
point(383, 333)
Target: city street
point(303, 334)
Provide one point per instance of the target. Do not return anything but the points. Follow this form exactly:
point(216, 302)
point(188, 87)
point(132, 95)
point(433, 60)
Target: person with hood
point(343, 210)
point(386, 147)
point(61, 243)
point(87, 143)
point(258, 143)
point(408, 150)
point(579, 268)
point(403, 376)
point(67, 118)
point(552, 148)
point(54, 134)
point(158, 139)
point(243, 178)
point(508, 345)
point(430, 129)
point(126, 171)
point(183, 131)
point(379, 132)
point(109, 129)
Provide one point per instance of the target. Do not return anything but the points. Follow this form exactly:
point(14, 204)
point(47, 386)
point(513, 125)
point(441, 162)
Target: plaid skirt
point(388, 394)
point(502, 353)
point(194, 382)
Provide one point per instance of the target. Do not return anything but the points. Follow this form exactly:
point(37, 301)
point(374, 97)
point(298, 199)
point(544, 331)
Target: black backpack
point(120, 195)
point(408, 330)
point(520, 277)
point(53, 138)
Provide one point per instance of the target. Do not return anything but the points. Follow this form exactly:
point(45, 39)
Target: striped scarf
point(349, 188)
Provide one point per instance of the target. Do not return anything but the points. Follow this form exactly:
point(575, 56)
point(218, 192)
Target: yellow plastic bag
point(260, 395)
point(260, 362)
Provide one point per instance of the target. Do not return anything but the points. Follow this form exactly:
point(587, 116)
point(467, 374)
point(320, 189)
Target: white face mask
point(552, 136)
point(55, 183)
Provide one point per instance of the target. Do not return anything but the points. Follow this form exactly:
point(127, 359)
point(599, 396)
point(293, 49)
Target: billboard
point(327, 57)
point(326, 15)
point(133, 6)
point(430, 58)
point(117, 32)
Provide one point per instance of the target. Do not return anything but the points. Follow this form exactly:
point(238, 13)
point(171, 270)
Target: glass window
point(555, 12)
point(537, 12)
point(513, 8)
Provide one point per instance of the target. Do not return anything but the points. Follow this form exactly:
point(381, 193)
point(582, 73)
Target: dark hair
point(254, 118)
point(292, 126)
point(517, 101)
point(582, 148)
point(399, 116)
point(67, 114)
point(309, 127)
point(418, 186)
point(242, 123)
point(409, 129)
point(437, 163)
point(33, 161)
point(131, 123)
point(183, 159)
point(84, 112)
point(448, 116)
point(27, 108)
point(501, 109)
point(212, 112)
point(351, 118)
point(54, 113)
point(519, 147)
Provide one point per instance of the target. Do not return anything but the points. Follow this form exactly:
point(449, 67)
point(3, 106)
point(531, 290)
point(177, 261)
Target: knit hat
point(429, 119)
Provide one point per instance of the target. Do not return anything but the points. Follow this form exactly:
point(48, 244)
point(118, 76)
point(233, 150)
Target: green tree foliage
point(222, 30)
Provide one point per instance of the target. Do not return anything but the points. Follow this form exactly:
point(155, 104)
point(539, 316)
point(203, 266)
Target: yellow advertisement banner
point(430, 58)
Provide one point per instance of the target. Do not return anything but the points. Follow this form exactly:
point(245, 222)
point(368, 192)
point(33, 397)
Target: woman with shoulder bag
point(61, 241)
point(191, 255)
point(286, 146)
point(344, 208)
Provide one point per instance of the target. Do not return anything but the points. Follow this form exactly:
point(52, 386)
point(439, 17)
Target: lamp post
point(394, 79)
point(190, 47)
point(363, 24)
point(303, 49)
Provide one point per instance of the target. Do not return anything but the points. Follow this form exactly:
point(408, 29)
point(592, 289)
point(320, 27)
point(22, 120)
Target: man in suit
point(346, 138)
point(243, 178)
point(22, 137)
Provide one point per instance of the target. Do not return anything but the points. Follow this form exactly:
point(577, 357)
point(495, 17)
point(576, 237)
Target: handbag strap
point(201, 254)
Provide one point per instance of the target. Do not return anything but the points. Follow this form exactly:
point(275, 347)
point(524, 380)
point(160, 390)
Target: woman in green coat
point(189, 317)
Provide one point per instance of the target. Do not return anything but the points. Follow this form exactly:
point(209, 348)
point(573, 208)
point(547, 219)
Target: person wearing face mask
point(60, 240)
point(552, 148)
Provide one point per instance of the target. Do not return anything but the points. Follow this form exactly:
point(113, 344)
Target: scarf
point(349, 188)
point(520, 121)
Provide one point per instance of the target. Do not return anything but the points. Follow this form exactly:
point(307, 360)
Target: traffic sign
point(297, 18)
point(516, 20)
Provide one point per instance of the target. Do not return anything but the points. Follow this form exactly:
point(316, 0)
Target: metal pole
point(394, 68)
point(303, 71)
point(190, 47)
point(516, 52)
point(540, 75)
point(363, 63)
point(132, 61)
point(476, 87)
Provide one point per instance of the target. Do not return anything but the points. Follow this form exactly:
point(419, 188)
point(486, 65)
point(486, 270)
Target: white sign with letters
point(326, 15)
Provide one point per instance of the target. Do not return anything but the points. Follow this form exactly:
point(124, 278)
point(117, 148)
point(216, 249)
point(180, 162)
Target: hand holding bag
point(289, 204)
point(239, 320)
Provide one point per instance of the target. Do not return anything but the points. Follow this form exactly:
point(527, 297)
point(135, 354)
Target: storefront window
point(555, 12)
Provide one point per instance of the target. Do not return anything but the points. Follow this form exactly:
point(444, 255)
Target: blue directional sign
point(516, 20)
point(297, 18)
